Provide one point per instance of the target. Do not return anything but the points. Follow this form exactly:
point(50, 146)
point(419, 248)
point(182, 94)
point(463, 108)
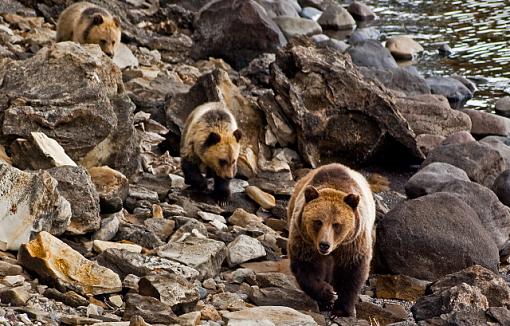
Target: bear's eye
point(317, 224)
point(223, 162)
point(337, 227)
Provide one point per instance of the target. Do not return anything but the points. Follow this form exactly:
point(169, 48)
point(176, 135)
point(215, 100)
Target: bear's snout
point(324, 247)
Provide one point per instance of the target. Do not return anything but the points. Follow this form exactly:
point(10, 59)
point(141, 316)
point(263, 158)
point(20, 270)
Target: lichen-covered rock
point(56, 262)
point(29, 202)
point(73, 94)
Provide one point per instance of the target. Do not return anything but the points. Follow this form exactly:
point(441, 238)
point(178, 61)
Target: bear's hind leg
point(348, 281)
point(312, 277)
point(193, 176)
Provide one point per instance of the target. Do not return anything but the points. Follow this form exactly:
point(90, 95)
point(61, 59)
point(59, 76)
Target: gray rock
point(337, 45)
point(311, 13)
point(109, 227)
point(432, 236)
point(32, 203)
point(485, 123)
point(336, 17)
point(75, 184)
point(398, 79)
point(500, 144)
point(150, 309)
point(503, 106)
point(481, 163)
point(288, 297)
point(294, 26)
point(161, 227)
point(429, 179)
point(403, 47)
point(360, 11)
point(171, 289)
point(139, 235)
point(455, 91)
point(270, 315)
point(277, 8)
point(204, 255)
point(237, 31)
point(501, 187)
point(363, 34)
point(372, 54)
point(243, 249)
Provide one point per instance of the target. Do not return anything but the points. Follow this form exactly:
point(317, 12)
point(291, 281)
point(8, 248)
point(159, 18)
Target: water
point(477, 31)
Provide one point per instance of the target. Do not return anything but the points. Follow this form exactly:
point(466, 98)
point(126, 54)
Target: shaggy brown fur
point(331, 215)
point(85, 22)
point(210, 144)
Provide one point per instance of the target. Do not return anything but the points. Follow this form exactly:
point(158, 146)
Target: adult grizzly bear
point(331, 216)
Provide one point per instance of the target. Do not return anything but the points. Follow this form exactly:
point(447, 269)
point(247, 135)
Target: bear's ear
point(311, 193)
point(238, 134)
point(116, 21)
point(352, 200)
point(97, 20)
point(212, 139)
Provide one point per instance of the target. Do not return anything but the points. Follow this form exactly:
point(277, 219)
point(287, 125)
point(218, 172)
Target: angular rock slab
point(204, 255)
point(56, 262)
point(271, 315)
point(432, 236)
point(171, 289)
point(244, 248)
point(74, 94)
point(332, 105)
point(29, 202)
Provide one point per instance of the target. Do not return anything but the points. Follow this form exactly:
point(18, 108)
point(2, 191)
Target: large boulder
point(481, 163)
point(432, 236)
point(399, 79)
point(370, 53)
point(236, 31)
point(331, 105)
point(73, 94)
point(485, 123)
point(30, 202)
point(429, 179)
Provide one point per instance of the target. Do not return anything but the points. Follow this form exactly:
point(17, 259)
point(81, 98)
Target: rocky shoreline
point(98, 228)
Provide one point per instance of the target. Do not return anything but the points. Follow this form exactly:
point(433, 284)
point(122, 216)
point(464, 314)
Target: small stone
point(362, 34)
point(360, 11)
point(171, 289)
point(370, 53)
point(460, 137)
point(139, 235)
point(211, 217)
point(124, 58)
point(400, 287)
point(228, 301)
point(336, 17)
point(242, 218)
point(265, 200)
point(403, 47)
point(116, 300)
point(209, 284)
point(210, 313)
point(243, 249)
point(445, 49)
point(100, 246)
point(109, 227)
point(294, 26)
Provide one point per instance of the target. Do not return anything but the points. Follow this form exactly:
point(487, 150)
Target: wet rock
point(171, 289)
point(271, 315)
point(426, 142)
point(403, 47)
point(372, 54)
point(492, 285)
point(481, 163)
point(292, 26)
point(75, 185)
point(139, 235)
point(265, 200)
point(501, 187)
point(31, 203)
point(280, 8)
point(485, 123)
point(243, 249)
point(377, 314)
point(432, 236)
point(456, 93)
point(91, 118)
point(55, 261)
point(236, 31)
point(311, 13)
point(336, 17)
point(363, 34)
point(124, 58)
point(100, 246)
point(400, 287)
point(39, 152)
point(204, 255)
point(401, 80)
point(503, 106)
point(124, 263)
point(112, 187)
point(461, 298)
point(367, 107)
point(288, 297)
point(429, 179)
point(150, 309)
point(109, 227)
point(360, 11)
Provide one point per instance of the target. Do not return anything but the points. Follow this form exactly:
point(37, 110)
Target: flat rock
point(403, 47)
point(112, 187)
point(503, 106)
point(7, 269)
point(270, 315)
point(243, 249)
point(204, 255)
point(293, 26)
point(370, 53)
point(400, 287)
point(100, 246)
point(278, 8)
point(15, 296)
point(455, 91)
point(485, 123)
point(236, 31)
point(75, 185)
point(401, 80)
point(336, 17)
point(265, 200)
point(31, 202)
point(288, 297)
point(360, 11)
point(55, 261)
point(139, 235)
point(150, 309)
point(171, 289)
point(481, 163)
point(429, 179)
point(432, 236)
point(109, 227)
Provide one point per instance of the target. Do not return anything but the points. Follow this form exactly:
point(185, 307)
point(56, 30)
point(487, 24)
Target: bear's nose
point(323, 246)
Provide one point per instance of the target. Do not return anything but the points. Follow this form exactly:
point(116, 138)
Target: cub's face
point(329, 218)
point(221, 153)
point(106, 33)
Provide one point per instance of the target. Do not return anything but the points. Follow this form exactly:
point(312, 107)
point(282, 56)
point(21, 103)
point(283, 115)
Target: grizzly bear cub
point(85, 22)
point(210, 145)
point(331, 216)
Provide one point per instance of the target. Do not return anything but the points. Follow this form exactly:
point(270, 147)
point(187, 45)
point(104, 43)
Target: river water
point(478, 33)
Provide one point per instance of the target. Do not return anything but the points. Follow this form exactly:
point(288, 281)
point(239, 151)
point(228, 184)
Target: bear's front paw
point(326, 297)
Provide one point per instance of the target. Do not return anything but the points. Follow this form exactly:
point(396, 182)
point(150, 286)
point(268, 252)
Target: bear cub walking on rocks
point(331, 215)
point(210, 145)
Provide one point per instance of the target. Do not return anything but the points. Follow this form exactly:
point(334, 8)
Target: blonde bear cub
point(84, 22)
